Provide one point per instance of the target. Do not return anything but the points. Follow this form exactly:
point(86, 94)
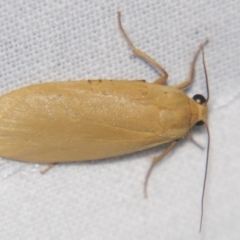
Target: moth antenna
point(208, 133)
point(205, 69)
point(205, 178)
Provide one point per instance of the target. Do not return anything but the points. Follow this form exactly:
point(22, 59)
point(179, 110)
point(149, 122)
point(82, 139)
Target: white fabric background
point(70, 40)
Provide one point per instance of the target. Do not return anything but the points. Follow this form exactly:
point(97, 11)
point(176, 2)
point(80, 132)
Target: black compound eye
point(200, 99)
point(200, 123)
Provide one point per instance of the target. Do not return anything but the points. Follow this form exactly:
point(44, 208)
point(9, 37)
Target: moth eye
point(200, 123)
point(200, 99)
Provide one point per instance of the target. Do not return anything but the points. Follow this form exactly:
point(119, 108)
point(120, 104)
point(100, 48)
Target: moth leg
point(187, 82)
point(154, 162)
point(136, 52)
point(50, 166)
point(190, 137)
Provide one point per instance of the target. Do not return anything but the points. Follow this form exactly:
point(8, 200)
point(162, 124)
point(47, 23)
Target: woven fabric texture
point(43, 41)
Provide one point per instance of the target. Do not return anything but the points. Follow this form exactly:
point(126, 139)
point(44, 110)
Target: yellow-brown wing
point(89, 120)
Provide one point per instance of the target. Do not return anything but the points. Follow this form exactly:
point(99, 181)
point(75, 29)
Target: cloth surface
point(69, 40)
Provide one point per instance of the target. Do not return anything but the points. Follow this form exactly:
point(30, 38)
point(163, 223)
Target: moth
point(95, 119)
